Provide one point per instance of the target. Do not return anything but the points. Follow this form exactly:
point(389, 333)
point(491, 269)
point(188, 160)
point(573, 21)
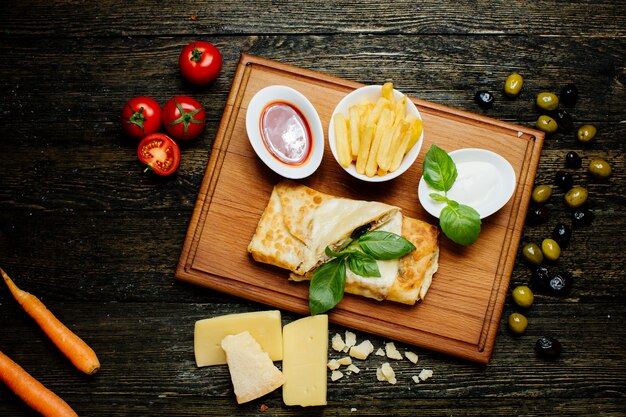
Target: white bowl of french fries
point(375, 133)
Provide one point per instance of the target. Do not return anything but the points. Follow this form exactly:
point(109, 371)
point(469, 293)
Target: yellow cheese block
point(305, 353)
point(264, 326)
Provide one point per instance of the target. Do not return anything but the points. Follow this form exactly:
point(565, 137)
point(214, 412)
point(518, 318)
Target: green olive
point(513, 84)
point(547, 101)
point(546, 124)
point(551, 250)
point(518, 323)
point(523, 296)
point(576, 196)
point(586, 133)
point(599, 168)
point(541, 193)
point(532, 254)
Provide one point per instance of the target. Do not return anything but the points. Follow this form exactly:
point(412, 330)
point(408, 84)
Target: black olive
point(484, 99)
point(564, 180)
point(537, 215)
point(548, 347)
point(562, 234)
point(360, 231)
point(560, 283)
point(569, 95)
point(582, 217)
point(572, 160)
point(564, 120)
point(541, 277)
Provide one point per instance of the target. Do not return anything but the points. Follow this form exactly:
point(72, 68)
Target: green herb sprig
point(329, 280)
point(460, 223)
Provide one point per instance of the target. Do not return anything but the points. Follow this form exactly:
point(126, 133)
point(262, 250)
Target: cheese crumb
point(388, 371)
point(336, 375)
point(333, 364)
point(352, 410)
point(353, 368)
point(425, 374)
point(380, 352)
point(379, 375)
point(362, 351)
point(391, 351)
point(416, 379)
point(350, 339)
point(411, 356)
point(338, 343)
point(346, 360)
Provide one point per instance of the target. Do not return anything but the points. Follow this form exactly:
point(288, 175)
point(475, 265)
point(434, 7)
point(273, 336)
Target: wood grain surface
point(83, 227)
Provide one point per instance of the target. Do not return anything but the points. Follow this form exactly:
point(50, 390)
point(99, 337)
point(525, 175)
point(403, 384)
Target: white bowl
point(281, 93)
point(373, 93)
point(486, 181)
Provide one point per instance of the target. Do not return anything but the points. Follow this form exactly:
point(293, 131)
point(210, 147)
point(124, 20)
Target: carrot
point(72, 346)
point(33, 392)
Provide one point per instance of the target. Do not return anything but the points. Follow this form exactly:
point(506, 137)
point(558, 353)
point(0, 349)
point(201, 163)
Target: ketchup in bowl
point(286, 133)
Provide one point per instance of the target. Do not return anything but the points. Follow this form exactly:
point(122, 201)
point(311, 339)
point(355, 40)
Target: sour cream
point(485, 181)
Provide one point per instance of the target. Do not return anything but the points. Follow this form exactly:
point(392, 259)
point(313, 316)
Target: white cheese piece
point(425, 374)
point(411, 356)
point(350, 339)
point(352, 410)
point(380, 352)
point(333, 364)
point(337, 343)
point(346, 360)
point(387, 371)
point(353, 368)
point(362, 351)
point(264, 326)
point(336, 375)
point(391, 351)
point(379, 375)
point(416, 379)
point(251, 369)
point(305, 354)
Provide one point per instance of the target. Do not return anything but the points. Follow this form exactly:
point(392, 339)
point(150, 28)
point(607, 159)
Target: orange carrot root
point(31, 391)
point(72, 346)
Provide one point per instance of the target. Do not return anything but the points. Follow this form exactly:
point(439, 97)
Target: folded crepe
point(299, 223)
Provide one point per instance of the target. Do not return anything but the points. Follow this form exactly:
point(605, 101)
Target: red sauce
point(286, 133)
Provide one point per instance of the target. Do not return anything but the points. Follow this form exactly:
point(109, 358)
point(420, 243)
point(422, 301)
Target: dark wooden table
point(83, 227)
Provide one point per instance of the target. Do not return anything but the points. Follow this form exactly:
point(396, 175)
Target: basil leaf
point(438, 197)
point(460, 223)
point(385, 245)
point(363, 264)
point(327, 286)
point(439, 169)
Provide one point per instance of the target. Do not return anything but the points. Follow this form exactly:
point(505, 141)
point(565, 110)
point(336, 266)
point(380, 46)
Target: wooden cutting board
point(462, 309)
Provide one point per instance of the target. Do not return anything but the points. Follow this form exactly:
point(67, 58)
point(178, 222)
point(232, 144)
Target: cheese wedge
point(251, 369)
point(264, 326)
point(305, 356)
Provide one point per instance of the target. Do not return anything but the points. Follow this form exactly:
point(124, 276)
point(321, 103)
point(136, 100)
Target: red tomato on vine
point(200, 62)
point(141, 116)
point(184, 118)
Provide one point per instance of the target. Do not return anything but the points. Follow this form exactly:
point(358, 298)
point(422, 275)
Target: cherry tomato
point(141, 116)
point(160, 153)
point(184, 118)
point(200, 62)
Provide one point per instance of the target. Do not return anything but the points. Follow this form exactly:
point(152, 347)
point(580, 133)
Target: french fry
point(381, 172)
point(385, 148)
point(380, 105)
point(400, 110)
point(364, 147)
point(404, 140)
point(387, 91)
point(383, 125)
point(416, 132)
point(341, 140)
point(354, 132)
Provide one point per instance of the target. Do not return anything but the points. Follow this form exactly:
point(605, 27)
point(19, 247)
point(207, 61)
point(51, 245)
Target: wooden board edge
point(211, 174)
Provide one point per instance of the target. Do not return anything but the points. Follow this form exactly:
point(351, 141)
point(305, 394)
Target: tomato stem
point(185, 117)
point(137, 118)
point(196, 54)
